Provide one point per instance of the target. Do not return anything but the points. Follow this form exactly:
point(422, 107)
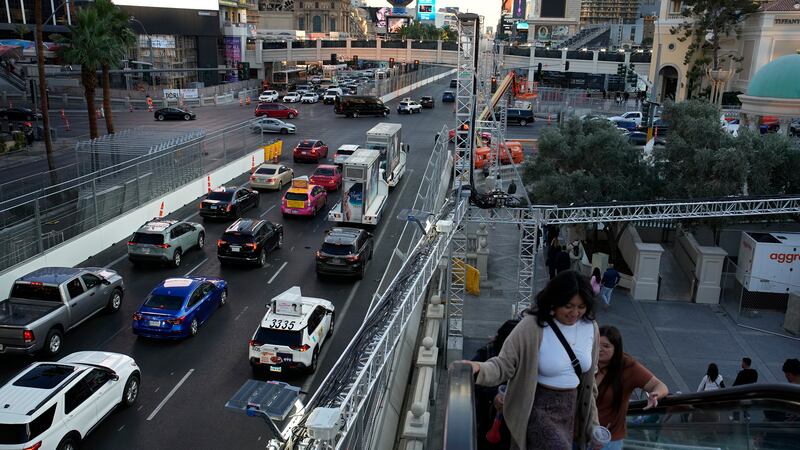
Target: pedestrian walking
point(712, 380)
point(596, 281)
point(575, 256)
point(618, 99)
point(549, 361)
point(553, 249)
point(791, 370)
point(745, 376)
point(610, 280)
point(562, 260)
point(618, 375)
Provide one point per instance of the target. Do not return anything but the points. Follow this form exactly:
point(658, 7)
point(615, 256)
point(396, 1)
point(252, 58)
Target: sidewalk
point(675, 340)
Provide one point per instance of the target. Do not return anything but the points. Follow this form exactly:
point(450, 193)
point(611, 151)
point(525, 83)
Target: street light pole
point(149, 42)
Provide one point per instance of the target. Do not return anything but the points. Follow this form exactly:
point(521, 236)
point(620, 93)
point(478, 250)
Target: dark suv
point(520, 116)
point(249, 240)
point(227, 202)
point(345, 251)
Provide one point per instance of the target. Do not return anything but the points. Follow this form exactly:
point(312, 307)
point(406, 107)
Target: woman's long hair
point(596, 274)
point(614, 369)
point(558, 292)
point(712, 373)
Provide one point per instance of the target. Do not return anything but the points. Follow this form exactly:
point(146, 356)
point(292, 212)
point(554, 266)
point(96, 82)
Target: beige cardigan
point(518, 363)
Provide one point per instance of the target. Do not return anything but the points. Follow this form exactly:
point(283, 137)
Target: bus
point(284, 80)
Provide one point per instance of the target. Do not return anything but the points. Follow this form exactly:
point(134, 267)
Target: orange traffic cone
point(209, 183)
point(241, 103)
point(548, 120)
point(66, 124)
point(62, 113)
point(252, 165)
point(161, 210)
point(247, 100)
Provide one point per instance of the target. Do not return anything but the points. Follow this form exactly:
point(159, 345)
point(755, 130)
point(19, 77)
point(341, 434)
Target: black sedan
point(174, 113)
point(19, 114)
point(427, 102)
point(227, 202)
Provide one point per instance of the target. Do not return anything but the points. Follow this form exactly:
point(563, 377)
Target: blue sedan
point(178, 306)
point(448, 97)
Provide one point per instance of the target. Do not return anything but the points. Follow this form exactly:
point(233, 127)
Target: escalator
point(752, 417)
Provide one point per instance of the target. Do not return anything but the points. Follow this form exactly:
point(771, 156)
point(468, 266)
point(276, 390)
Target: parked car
point(276, 110)
point(309, 97)
point(328, 176)
point(227, 202)
point(292, 97)
point(409, 107)
point(271, 176)
point(268, 96)
point(270, 125)
point(19, 114)
point(427, 102)
point(345, 251)
point(359, 105)
point(310, 150)
point(448, 97)
point(454, 83)
point(291, 333)
point(178, 306)
point(174, 114)
point(520, 116)
point(54, 405)
point(51, 301)
point(343, 152)
point(249, 241)
point(164, 241)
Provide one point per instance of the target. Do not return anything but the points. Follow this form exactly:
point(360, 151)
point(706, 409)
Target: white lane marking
point(291, 249)
point(277, 272)
point(196, 267)
point(240, 314)
point(157, 389)
point(265, 212)
point(140, 407)
point(171, 393)
point(186, 219)
point(102, 344)
point(116, 261)
point(120, 428)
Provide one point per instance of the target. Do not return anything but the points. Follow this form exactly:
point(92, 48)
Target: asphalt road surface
point(185, 384)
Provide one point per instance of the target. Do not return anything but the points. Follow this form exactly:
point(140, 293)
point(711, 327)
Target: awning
point(17, 43)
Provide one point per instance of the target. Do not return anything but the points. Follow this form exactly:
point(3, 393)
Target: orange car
point(483, 155)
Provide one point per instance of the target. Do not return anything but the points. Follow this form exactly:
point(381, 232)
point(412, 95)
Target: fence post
point(224, 149)
point(38, 219)
point(94, 199)
point(138, 186)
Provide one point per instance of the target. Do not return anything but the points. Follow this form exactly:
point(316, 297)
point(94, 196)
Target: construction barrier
point(272, 152)
point(473, 277)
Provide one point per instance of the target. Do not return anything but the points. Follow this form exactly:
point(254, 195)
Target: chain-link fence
point(58, 213)
point(580, 102)
point(398, 81)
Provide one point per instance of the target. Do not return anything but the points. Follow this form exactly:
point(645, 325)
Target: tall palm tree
point(88, 46)
point(121, 38)
point(48, 142)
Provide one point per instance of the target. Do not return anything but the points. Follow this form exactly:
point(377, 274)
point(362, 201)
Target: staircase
point(12, 84)
point(585, 36)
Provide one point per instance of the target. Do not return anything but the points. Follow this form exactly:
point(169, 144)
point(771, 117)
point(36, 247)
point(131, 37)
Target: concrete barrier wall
point(93, 242)
point(413, 86)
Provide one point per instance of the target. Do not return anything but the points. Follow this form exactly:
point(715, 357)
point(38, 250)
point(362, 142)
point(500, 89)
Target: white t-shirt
point(555, 368)
point(706, 385)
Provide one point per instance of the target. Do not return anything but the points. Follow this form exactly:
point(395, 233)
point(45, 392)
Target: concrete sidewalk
point(675, 340)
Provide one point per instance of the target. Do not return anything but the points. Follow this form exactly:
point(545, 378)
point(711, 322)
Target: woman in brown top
point(617, 376)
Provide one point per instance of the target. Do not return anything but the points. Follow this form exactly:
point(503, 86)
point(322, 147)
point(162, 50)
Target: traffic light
point(539, 72)
point(240, 71)
point(416, 64)
point(633, 78)
point(621, 69)
point(645, 112)
point(566, 66)
point(494, 84)
point(391, 63)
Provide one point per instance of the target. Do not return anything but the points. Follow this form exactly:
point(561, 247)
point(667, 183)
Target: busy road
point(185, 383)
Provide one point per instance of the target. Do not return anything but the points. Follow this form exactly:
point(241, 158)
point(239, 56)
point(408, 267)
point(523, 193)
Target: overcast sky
point(489, 9)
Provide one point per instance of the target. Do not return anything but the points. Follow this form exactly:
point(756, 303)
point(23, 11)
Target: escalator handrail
point(460, 431)
point(786, 393)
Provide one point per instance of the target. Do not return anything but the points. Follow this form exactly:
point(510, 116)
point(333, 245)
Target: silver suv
point(162, 240)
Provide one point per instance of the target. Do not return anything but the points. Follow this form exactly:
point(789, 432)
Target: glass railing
point(459, 427)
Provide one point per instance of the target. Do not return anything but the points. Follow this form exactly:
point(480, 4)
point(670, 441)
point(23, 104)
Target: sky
point(490, 9)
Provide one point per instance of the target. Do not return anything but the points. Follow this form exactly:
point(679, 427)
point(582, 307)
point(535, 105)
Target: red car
point(310, 150)
point(276, 110)
point(327, 176)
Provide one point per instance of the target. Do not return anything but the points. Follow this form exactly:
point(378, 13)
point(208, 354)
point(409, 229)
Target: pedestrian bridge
point(439, 52)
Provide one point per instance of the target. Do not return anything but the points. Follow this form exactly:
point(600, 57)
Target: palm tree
point(121, 38)
point(48, 142)
point(88, 46)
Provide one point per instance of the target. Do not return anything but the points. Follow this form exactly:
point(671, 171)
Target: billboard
point(426, 9)
point(395, 24)
point(207, 5)
point(506, 7)
point(520, 9)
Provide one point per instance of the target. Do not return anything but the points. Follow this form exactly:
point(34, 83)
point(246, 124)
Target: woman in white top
point(712, 380)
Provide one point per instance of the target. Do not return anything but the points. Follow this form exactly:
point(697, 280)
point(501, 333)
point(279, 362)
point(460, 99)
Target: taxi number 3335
point(283, 324)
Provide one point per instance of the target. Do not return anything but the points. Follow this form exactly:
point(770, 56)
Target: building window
point(317, 24)
point(316, 5)
point(301, 23)
point(333, 25)
point(333, 6)
point(301, 5)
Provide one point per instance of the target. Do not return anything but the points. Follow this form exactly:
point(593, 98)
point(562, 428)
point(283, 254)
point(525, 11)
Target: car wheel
point(280, 240)
point(176, 258)
point(362, 272)
point(201, 240)
point(284, 131)
point(131, 392)
point(295, 160)
point(385, 114)
point(193, 327)
point(70, 442)
point(160, 117)
point(223, 298)
point(115, 301)
point(355, 114)
point(186, 117)
point(52, 344)
point(333, 322)
point(313, 367)
point(262, 258)
point(291, 116)
point(523, 122)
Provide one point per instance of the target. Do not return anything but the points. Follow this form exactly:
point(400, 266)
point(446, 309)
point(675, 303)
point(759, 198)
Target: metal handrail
point(460, 430)
point(782, 393)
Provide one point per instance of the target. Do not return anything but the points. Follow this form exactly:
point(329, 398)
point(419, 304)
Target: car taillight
point(137, 316)
point(301, 348)
point(352, 258)
point(220, 242)
point(313, 151)
point(321, 255)
point(252, 178)
point(228, 208)
point(253, 343)
point(27, 336)
point(251, 246)
point(162, 245)
point(270, 180)
point(177, 321)
point(35, 446)
point(131, 243)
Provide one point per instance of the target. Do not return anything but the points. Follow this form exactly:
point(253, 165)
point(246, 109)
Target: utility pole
point(48, 142)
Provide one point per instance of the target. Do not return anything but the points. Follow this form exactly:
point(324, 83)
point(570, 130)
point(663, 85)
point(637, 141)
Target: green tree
point(448, 34)
point(773, 163)
point(700, 158)
point(120, 38)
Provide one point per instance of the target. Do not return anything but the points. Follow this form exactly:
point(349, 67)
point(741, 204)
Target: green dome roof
point(778, 79)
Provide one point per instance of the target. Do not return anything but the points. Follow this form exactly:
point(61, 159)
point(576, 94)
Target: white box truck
point(385, 137)
point(769, 262)
point(364, 192)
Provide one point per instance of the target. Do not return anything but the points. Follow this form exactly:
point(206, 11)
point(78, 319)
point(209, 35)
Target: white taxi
point(291, 333)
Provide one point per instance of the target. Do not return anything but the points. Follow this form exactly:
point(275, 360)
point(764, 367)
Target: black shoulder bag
point(573, 359)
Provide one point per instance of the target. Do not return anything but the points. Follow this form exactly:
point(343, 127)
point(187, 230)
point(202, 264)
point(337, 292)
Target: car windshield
point(337, 249)
point(36, 291)
point(161, 301)
point(237, 238)
point(331, 92)
point(14, 434)
point(296, 196)
point(222, 196)
point(148, 238)
point(345, 152)
point(287, 338)
point(266, 171)
point(45, 376)
point(306, 144)
point(324, 171)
